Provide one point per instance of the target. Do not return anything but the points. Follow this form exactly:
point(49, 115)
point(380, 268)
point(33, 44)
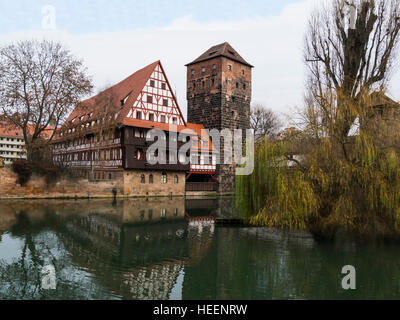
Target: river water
point(172, 249)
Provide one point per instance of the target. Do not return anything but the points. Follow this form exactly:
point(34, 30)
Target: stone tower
point(219, 95)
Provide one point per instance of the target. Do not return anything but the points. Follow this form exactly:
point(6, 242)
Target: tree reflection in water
point(138, 249)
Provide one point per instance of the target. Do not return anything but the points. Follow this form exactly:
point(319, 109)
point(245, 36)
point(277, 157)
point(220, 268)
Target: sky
point(115, 38)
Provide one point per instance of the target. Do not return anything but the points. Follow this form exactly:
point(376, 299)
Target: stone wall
point(133, 184)
point(65, 188)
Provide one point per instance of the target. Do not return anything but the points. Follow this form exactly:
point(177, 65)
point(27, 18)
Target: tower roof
point(221, 50)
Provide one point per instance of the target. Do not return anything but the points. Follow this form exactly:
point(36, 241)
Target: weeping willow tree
point(342, 169)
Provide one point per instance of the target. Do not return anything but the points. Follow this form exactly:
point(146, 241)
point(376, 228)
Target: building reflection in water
point(171, 249)
point(130, 249)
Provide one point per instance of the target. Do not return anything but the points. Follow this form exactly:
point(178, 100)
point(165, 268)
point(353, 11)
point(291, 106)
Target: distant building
point(12, 143)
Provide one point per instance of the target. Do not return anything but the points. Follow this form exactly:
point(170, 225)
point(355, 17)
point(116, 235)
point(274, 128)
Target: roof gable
point(155, 102)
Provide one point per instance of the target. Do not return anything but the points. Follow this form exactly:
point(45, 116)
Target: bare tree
point(264, 122)
point(349, 50)
point(40, 82)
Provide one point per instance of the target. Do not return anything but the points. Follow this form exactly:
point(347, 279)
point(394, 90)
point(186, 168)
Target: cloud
point(272, 44)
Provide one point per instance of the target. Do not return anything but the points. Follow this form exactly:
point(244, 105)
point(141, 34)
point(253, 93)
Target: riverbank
point(71, 189)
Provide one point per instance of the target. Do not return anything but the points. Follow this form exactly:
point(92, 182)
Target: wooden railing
point(201, 186)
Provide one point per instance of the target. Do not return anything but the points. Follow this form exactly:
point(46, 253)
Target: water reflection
point(171, 249)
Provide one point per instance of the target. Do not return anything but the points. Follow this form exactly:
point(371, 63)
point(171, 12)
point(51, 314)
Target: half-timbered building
point(105, 138)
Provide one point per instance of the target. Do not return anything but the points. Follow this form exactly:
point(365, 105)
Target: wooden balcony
point(201, 186)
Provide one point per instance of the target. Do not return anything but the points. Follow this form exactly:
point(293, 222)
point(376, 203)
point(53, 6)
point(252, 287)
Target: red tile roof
point(10, 131)
point(126, 89)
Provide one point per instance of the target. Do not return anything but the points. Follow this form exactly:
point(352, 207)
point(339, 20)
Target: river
point(171, 249)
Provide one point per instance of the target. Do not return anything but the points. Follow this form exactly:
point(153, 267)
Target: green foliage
point(326, 192)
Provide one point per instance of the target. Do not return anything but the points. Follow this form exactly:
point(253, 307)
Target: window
point(176, 212)
point(163, 119)
point(139, 154)
point(142, 179)
point(149, 99)
point(165, 102)
point(151, 179)
point(194, 85)
point(237, 85)
point(163, 213)
point(163, 86)
point(164, 178)
point(244, 86)
point(151, 117)
point(229, 67)
point(242, 72)
point(193, 72)
point(174, 120)
point(176, 179)
point(203, 84)
point(212, 82)
point(152, 83)
point(203, 70)
point(214, 67)
point(138, 115)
